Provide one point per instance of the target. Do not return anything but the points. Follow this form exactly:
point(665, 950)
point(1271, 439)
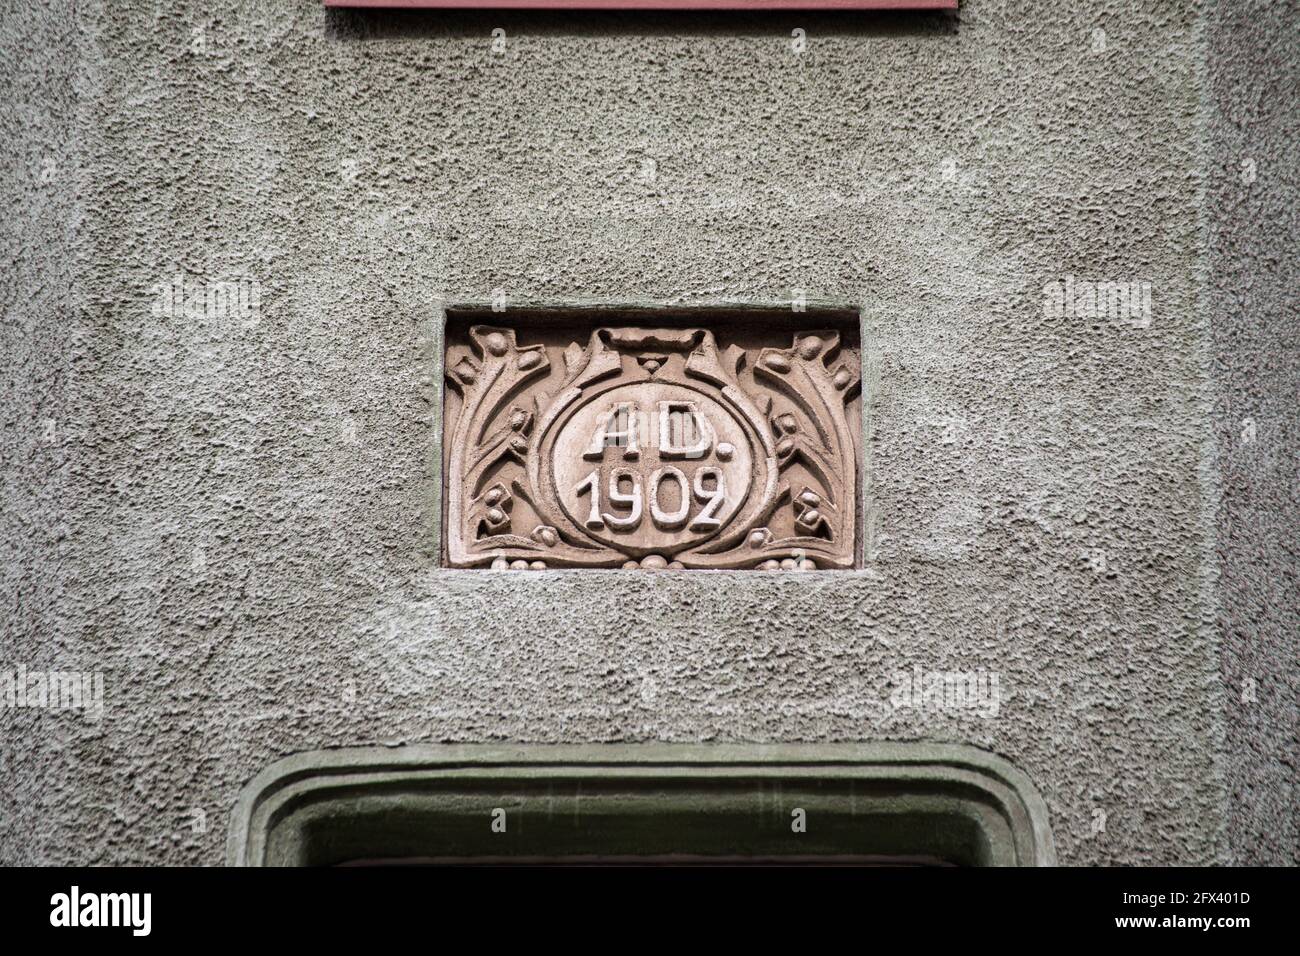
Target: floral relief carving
point(648, 447)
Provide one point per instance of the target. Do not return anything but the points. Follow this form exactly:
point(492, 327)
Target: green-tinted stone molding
point(947, 802)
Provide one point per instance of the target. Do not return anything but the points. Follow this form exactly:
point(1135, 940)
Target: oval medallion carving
point(652, 467)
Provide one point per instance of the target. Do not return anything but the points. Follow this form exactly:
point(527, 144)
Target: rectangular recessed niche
point(709, 438)
point(835, 803)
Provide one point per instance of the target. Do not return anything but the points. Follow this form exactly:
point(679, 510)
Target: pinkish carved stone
point(651, 448)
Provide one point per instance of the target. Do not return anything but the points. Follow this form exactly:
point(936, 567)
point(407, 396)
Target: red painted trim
point(655, 4)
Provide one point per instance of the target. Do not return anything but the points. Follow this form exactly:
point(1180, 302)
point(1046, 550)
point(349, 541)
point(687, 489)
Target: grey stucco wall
point(1254, 233)
point(229, 517)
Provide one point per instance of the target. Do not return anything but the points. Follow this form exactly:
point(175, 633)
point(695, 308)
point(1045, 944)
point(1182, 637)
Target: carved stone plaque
point(651, 446)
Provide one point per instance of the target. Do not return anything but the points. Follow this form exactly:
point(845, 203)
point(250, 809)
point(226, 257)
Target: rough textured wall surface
point(44, 74)
point(1254, 232)
point(233, 522)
